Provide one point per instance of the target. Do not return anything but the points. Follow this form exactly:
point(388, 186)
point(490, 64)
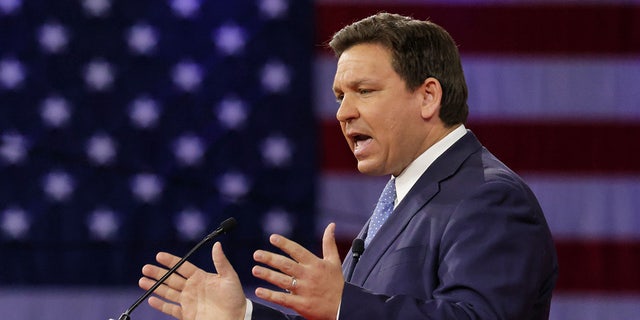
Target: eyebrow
point(355, 83)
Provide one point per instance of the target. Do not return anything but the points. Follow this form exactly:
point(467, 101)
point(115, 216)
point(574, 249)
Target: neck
point(436, 135)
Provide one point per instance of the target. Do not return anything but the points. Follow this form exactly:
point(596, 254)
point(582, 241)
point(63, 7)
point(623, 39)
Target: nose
point(347, 110)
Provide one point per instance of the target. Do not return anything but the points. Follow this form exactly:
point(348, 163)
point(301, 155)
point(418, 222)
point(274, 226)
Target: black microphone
point(224, 227)
point(357, 247)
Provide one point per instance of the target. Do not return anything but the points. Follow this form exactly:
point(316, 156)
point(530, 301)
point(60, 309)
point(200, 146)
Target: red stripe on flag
point(564, 147)
point(335, 153)
point(498, 29)
point(549, 147)
point(598, 266)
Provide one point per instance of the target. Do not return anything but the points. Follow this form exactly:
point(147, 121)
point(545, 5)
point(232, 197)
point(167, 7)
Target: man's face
point(379, 117)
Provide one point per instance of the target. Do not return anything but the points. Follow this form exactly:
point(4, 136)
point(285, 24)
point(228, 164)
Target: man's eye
point(339, 98)
point(364, 91)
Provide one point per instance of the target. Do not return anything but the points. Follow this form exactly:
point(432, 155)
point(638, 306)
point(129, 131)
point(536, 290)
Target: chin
point(369, 168)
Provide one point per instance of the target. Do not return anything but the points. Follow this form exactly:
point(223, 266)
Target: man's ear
point(432, 96)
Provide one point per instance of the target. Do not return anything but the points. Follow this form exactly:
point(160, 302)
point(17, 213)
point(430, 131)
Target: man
point(466, 238)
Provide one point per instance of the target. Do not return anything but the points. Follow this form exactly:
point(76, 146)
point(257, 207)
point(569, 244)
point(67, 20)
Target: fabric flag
point(129, 127)
point(553, 92)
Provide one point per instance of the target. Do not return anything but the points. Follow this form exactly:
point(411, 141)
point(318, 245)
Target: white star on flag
point(190, 224)
point(10, 6)
point(101, 149)
point(53, 37)
point(188, 149)
point(187, 75)
point(230, 39)
point(277, 221)
point(55, 111)
point(274, 8)
point(146, 187)
point(233, 185)
point(276, 150)
point(185, 8)
point(103, 224)
point(232, 112)
point(275, 77)
point(142, 38)
point(15, 223)
point(96, 8)
point(144, 112)
point(12, 73)
point(99, 75)
point(58, 185)
point(13, 147)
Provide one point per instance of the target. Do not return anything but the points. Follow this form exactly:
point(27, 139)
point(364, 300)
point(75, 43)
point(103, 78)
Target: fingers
point(168, 260)
point(293, 249)
point(164, 291)
point(299, 254)
point(289, 268)
point(301, 257)
point(318, 281)
point(220, 261)
point(171, 309)
point(284, 299)
point(329, 246)
point(154, 272)
point(285, 264)
point(276, 278)
point(277, 261)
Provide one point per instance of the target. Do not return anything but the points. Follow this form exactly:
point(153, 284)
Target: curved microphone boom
point(224, 227)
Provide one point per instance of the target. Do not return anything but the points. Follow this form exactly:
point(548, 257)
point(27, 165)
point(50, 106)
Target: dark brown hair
point(419, 50)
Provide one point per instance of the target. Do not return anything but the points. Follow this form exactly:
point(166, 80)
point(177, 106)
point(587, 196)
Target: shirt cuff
point(249, 310)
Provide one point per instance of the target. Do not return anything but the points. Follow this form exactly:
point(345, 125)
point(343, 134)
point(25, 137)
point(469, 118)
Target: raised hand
point(192, 293)
point(314, 284)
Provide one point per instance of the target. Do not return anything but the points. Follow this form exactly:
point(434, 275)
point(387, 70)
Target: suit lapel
point(420, 194)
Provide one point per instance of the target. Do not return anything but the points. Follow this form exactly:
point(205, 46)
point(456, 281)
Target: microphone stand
point(224, 227)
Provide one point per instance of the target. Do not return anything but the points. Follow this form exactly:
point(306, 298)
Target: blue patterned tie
point(382, 211)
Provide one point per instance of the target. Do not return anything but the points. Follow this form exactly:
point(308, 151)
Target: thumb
point(329, 246)
point(220, 261)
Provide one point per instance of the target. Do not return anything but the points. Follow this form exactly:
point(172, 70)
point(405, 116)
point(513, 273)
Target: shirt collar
point(408, 177)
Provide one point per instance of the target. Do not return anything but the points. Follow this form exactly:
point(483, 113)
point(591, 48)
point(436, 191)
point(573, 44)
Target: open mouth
point(361, 141)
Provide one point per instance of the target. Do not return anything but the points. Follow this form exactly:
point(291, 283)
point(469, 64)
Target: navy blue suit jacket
point(469, 241)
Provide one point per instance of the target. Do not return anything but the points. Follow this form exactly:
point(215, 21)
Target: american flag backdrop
point(128, 127)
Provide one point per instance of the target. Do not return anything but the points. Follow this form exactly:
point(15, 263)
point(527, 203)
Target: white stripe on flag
point(552, 88)
point(348, 200)
point(594, 306)
point(527, 87)
point(590, 207)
